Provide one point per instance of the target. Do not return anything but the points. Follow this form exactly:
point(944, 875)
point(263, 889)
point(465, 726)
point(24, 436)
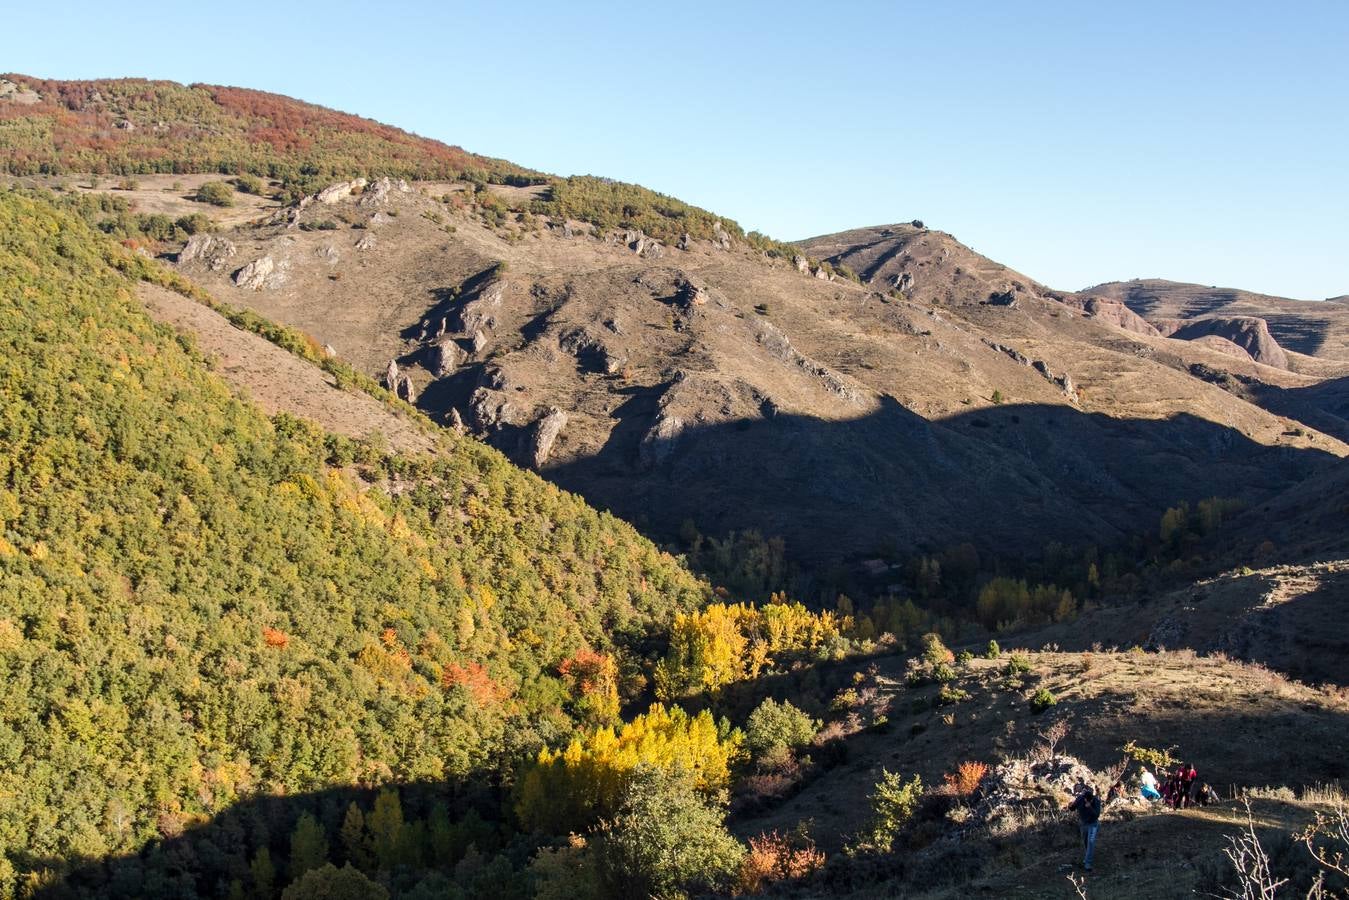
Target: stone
point(336, 193)
point(207, 250)
point(328, 254)
point(685, 241)
point(479, 341)
point(10, 92)
point(802, 264)
point(367, 242)
point(481, 311)
point(378, 219)
point(260, 273)
point(329, 351)
point(391, 375)
point(456, 421)
point(904, 282)
point(405, 390)
point(443, 357)
point(379, 192)
point(543, 434)
point(720, 237)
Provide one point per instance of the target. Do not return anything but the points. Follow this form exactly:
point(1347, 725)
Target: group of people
point(1181, 789)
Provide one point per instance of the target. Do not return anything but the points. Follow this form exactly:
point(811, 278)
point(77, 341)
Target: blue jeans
point(1089, 842)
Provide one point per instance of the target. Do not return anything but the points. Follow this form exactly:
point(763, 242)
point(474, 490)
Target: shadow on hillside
point(1009, 478)
point(1323, 406)
point(1238, 738)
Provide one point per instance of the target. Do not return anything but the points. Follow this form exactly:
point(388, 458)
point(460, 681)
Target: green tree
point(308, 846)
point(667, 839)
point(264, 873)
point(355, 841)
point(774, 724)
point(893, 802)
point(331, 883)
point(385, 827)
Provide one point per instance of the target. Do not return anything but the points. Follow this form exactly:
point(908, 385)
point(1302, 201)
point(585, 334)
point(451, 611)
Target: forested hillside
point(198, 603)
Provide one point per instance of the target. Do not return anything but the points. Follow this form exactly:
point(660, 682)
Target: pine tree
point(308, 846)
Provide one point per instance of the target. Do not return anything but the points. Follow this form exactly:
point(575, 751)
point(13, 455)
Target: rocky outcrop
point(336, 193)
point(802, 264)
point(1063, 382)
point(660, 440)
point(480, 312)
point(1247, 332)
point(17, 94)
point(367, 242)
point(208, 250)
point(260, 274)
point(379, 192)
point(542, 435)
point(399, 383)
point(720, 237)
point(780, 347)
point(329, 254)
point(903, 282)
point(592, 351)
point(444, 357)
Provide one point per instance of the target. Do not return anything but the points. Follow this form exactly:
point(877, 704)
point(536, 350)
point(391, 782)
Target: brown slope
point(709, 385)
point(1319, 329)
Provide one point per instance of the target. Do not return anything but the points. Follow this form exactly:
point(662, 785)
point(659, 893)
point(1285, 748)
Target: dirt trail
point(277, 380)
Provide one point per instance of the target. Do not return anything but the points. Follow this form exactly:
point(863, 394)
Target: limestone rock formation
point(443, 357)
point(336, 193)
point(207, 250)
point(543, 434)
point(263, 272)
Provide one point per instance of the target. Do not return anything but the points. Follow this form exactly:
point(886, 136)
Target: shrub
point(934, 651)
point(966, 778)
point(893, 802)
point(249, 184)
point(216, 193)
point(997, 398)
point(950, 695)
point(1150, 756)
point(963, 658)
point(774, 724)
point(1042, 700)
point(777, 857)
point(1018, 663)
point(943, 673)
point(196, 223)
point(993, 651)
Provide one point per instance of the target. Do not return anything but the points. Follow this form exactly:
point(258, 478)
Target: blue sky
point(1077, 142)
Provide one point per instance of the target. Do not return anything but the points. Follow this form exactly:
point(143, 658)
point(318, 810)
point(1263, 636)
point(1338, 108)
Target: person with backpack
point(1087, 805)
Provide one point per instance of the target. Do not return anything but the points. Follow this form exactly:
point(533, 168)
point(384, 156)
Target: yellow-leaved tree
point(572, 788)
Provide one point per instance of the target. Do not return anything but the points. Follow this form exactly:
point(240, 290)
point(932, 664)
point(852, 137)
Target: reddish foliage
point(775, 857)
point(274, 638)
point(474, 678)
point(589, 671)
point(966, 779)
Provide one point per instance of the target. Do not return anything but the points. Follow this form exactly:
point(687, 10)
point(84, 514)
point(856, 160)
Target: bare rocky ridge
point(710, 384)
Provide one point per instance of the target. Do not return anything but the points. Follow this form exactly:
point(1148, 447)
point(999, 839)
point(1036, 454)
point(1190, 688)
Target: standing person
point(1188, 777)
point(1149, 786)
point(1088, 808)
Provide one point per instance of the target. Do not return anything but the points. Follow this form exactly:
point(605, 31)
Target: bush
point(216, 193)
point(1042, 700)
point(965, 781)
point(778, 857)
point(993, 651)
point(934, 651)
point(950, 695)
point(249, 184)
point(196, 223)
point(892, 805)
point(774, 724)
point(942, 673)
point(963, 658)
point(1018, 663)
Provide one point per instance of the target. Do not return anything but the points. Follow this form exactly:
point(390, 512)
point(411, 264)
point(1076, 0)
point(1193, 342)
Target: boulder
point(543, 434)
point(443, 357)
point(206, 250)
point(367, 242)
point(260, 273)
point(685, 241)
point(391, 375)
point(380, 191)
point(329, 351)
point(904, 282)
point(720, 236)
point(802, 264)
point(328, 254)
point(479, 340)
point(480, 312)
